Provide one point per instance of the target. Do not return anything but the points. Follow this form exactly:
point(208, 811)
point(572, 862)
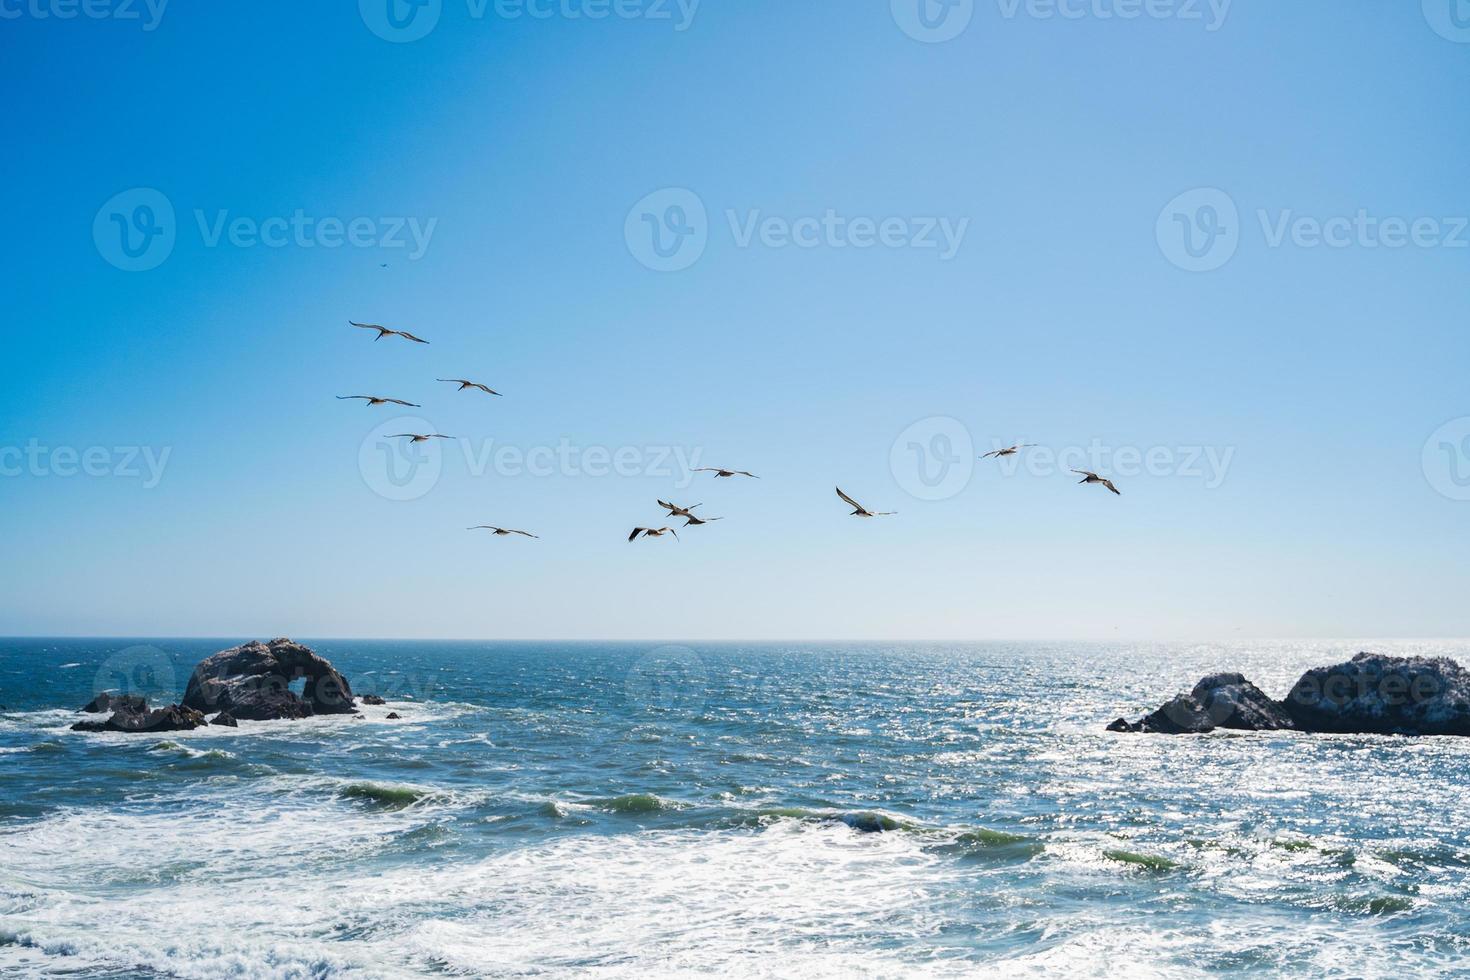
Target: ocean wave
point(381, 794)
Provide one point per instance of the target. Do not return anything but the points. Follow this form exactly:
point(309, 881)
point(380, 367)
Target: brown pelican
point(1010, 451)
point(676, 511)
point(385, 332)
point(725, 474)
point(652, 532)
point(862, 511)
point(501, 532)
point(373, 400)
point(696, 521)
point(1090, 477)
point(463, 384)
point(416, 438)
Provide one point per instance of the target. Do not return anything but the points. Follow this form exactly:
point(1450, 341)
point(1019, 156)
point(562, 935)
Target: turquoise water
point(644, 810)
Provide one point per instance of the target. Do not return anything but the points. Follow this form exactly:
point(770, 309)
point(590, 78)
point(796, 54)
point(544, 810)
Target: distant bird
point(1089, 477)
point(501, 532)
point(417, 438)
point(676, 511)
point(1009, 452)
point(385, 332)
point(373, 400)
point(652, 532)
point(862, 511)
point(725, 474)
point(463, 384)
point(697, 521)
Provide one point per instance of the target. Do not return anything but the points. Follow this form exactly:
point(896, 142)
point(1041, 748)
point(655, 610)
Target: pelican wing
point(343, 398)
point(399, 401)
point(408, 336)
point(636, 531)
point(523, 533)
point(845, 497)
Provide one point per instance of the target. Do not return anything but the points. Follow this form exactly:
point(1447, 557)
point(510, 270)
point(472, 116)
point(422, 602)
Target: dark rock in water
point(372, 699)
point(1374, 694)
point(225, 719)
point(108, 701)
point(174, 718)
point(1231, 701)
point(253, 682)
point(394, 716)
point(1371, 694)
point(1181, 715)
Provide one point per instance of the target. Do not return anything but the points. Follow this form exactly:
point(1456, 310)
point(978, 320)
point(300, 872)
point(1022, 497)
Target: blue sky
point(1327, 382)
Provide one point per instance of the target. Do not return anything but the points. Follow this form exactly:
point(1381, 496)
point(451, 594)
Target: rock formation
point(253, 683)
point(1370, 694)
point(129, 717)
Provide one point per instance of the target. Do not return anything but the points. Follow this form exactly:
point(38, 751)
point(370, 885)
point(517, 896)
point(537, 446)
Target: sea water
point(640, 809)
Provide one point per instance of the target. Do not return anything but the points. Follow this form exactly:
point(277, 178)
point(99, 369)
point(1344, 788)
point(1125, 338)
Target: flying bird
point(1010, 451)
point(676, 511)
point(373, 400)
point(463, 384)
point(697, 521)
point(862, 511)
point(501, 532)
point(652, 532)
point(725, 474)
point(386, 332)
point(1090, 477)
point(417, 438)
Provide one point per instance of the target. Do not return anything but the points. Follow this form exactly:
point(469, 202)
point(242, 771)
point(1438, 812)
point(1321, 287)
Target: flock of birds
point(674, 510)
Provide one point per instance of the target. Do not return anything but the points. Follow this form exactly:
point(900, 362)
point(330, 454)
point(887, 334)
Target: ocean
point(777, 810)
